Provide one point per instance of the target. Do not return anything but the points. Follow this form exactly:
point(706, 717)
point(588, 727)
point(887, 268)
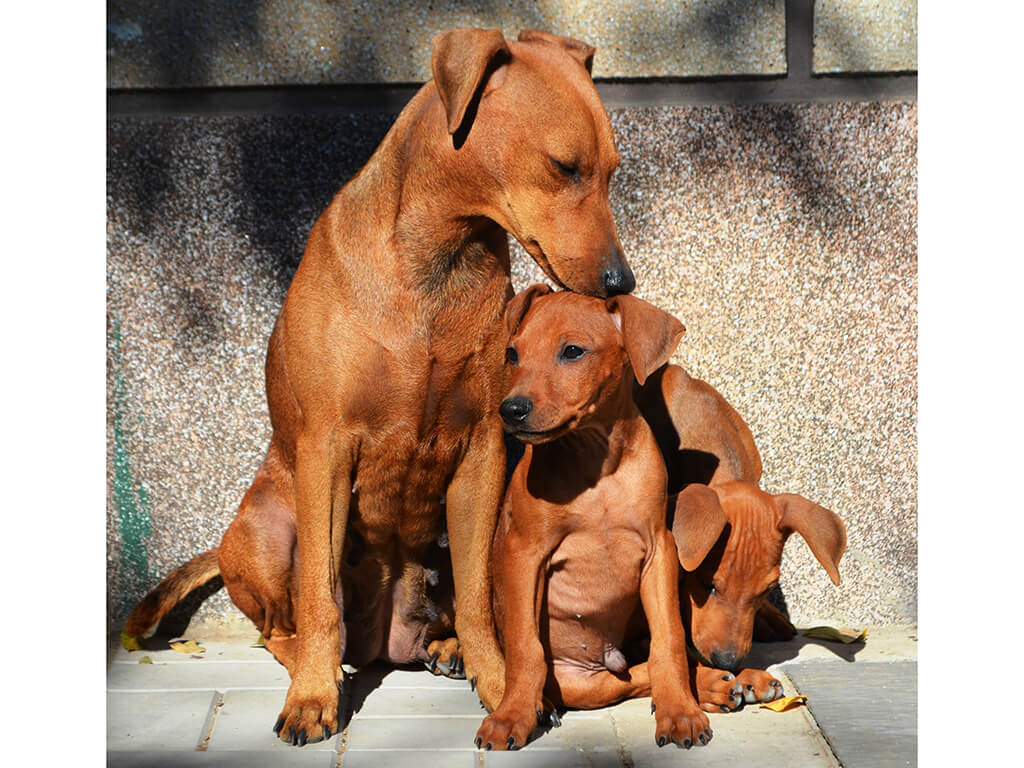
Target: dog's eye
point(511, 356)
point(570, 170)
point(572, 352)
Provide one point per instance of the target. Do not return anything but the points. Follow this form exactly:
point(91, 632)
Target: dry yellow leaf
point(187, 646)
point(836, 635)
point(781, 705)
point(145, 660)
point(131, 642)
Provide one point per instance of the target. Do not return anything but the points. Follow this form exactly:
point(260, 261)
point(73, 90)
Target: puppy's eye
point(572, 352)
point(511, 356)
point(569, 170)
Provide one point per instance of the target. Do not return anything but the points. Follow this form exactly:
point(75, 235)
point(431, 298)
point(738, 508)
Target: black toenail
point(278, 725)
point(723, 707)
point(511, 742)
point(687, 743)
point(478, 742)
point(327, 733)
point(300, 740)
point(662, 741)
point(488, 746)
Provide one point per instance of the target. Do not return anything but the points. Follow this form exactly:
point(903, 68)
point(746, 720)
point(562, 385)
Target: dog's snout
point(618, 280)
point(514, 410)
point(725, 659)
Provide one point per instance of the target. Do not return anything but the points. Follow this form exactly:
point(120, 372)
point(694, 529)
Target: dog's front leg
point(519, 579)
point(472, 504)
point(677, 714)
point(322, 492)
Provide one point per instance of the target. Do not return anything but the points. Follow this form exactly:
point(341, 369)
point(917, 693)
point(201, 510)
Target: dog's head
point(526, 116)
point(572, 355)
point(730, 542)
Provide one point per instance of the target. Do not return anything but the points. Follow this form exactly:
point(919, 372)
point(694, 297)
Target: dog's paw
point(684, 726)
point(718, 690)
point(309, 715)
point(510, 727)
point(759, 686)
point(445, 658)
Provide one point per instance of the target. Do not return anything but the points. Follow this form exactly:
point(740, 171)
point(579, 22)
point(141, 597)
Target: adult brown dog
point(581, 540)
point(730, 534)
point(384, 371)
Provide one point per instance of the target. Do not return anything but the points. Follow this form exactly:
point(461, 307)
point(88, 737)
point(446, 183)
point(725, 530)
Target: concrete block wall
point(783, 235)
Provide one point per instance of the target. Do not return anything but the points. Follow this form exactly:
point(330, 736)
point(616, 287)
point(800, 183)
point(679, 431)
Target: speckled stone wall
point(865, 36)
point(184, 43)
point(783, 236)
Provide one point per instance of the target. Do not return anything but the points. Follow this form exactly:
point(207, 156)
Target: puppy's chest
point(595, 570)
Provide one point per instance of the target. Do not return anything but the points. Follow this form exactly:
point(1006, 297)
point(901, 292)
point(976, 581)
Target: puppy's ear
point(579, 50)
point(519, 305)
point(699, 521)
point(650, 335)
point(822, 529)
point(461, 62)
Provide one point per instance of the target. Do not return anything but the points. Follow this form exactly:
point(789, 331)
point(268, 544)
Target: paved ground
point(217, 709)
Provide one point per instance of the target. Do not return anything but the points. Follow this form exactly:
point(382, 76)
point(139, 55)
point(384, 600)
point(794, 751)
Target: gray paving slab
point(779, 739)
point(172, 720)
point(867, 711)
point(415, 758)
point(245, 721)
point(297, 758)
point(197, 674)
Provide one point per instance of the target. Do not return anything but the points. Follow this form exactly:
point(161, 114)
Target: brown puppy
point(384, 372)
point(729, 534)
point(581, 539)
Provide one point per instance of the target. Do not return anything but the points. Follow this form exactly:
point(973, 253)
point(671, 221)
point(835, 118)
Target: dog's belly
point(593, 587)
point(396, 519)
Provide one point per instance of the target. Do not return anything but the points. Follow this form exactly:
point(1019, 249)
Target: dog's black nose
point(515, 410)
point(619, 280)
point(724, 660)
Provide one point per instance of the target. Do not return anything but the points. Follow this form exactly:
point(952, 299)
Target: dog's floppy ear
point(460, 65)
point(699, 521)
point(519, 304)
point(650, 335)
point(822, 529)
point(579, 50)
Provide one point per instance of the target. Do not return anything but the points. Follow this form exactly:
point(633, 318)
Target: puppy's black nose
point(515, 410)
point(724, 660)
point(618, 280)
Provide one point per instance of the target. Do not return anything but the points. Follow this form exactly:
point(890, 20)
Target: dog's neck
point(434, 202)
point(593, 450)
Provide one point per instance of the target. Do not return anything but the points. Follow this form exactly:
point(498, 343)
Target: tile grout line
point(344, 705)
point(819, 734)
point(624, 754)
point(210, 721)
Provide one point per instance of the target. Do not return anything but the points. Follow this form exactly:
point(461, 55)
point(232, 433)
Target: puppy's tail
point(168, 593)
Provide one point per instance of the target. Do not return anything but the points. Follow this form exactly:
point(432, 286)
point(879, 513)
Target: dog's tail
point(169, 592)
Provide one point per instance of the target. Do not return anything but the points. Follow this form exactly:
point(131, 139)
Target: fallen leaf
point(145, 660)
point(261, 643)
point(788, 702)
point(131, 642)
point(187, 646)
point(836, 635)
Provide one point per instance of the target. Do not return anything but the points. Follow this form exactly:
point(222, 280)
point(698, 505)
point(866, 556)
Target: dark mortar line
point(390, 99)
point(799, 86)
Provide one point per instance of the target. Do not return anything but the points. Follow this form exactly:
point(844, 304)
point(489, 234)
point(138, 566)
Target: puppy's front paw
point(718, 690)
point(509, 727)
point(684, 726)
point(759, 686)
